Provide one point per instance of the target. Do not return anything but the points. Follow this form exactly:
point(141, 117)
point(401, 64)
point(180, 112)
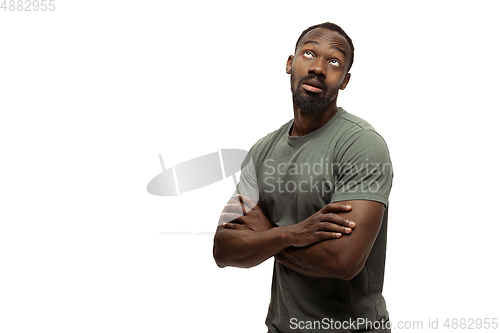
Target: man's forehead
point(327, 36)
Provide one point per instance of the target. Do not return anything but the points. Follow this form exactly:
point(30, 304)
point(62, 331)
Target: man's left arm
point(343, 257)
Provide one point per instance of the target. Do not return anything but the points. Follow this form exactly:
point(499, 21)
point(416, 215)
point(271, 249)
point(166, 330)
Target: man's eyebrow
point(311, 42)
point(333, 46)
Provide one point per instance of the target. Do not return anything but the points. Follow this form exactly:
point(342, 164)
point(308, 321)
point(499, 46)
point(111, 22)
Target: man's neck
point(305, 123)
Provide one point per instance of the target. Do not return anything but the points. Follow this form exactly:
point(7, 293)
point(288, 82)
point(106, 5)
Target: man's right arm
point(247, 248)
point(250, 239)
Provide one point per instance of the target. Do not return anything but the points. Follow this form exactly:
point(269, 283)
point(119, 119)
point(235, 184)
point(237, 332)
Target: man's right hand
point(320, 226)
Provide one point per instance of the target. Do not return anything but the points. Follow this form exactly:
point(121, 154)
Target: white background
point(92, 92)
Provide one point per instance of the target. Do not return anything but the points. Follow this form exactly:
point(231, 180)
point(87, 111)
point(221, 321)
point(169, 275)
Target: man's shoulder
point(352, 127)
point(350, 120)
point(355, 137)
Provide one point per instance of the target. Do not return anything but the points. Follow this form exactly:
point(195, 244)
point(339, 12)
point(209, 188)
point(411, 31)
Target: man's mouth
point(313, 86)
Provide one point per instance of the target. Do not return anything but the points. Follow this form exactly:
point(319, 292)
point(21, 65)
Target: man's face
point(319, 69)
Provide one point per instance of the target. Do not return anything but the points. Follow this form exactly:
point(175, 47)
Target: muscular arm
point(248, 240)
point(344, 257)
point(246, 248)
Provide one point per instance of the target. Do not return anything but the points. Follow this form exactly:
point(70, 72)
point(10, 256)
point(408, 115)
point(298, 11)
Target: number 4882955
point(471, 323)
point(28, 5)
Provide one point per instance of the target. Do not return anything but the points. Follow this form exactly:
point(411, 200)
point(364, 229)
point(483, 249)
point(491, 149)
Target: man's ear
point(289, 64)
point(346, 81)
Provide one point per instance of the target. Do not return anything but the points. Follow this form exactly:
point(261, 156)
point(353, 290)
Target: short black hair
point(332, 27)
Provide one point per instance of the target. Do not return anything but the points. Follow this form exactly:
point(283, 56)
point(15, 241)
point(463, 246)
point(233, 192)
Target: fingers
point(249, 202)
point(334, 218)
point(335, 207)
point(231, 225)
point(229, 217)
point(233, 208)
point(327, 226)
point(329, 235)
point(325, 235)
point(242, 204)
point(236, 206)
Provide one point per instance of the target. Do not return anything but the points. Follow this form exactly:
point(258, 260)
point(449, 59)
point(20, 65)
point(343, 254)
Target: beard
point(310, 102)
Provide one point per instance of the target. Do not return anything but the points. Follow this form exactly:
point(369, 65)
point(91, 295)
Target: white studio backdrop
point(93, 91)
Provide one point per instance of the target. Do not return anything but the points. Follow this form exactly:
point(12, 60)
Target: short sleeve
point(248, 180)
point(363, 168)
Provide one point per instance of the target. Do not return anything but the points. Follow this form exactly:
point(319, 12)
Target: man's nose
point(318, 68)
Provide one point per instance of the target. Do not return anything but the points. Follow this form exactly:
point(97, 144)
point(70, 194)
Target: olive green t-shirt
point(294, 177)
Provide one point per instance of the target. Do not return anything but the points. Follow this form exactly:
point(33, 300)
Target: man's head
point(332, 27)
point(320, 67)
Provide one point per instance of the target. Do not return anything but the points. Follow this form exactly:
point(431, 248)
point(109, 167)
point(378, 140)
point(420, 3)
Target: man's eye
point(308, 54)
point(334, 62)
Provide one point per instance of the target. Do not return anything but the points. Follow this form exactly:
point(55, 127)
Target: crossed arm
point(332, 243)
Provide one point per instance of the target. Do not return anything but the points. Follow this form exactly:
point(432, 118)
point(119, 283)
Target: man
point(314, 196)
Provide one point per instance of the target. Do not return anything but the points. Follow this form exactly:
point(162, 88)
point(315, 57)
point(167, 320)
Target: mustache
point(315, 77)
